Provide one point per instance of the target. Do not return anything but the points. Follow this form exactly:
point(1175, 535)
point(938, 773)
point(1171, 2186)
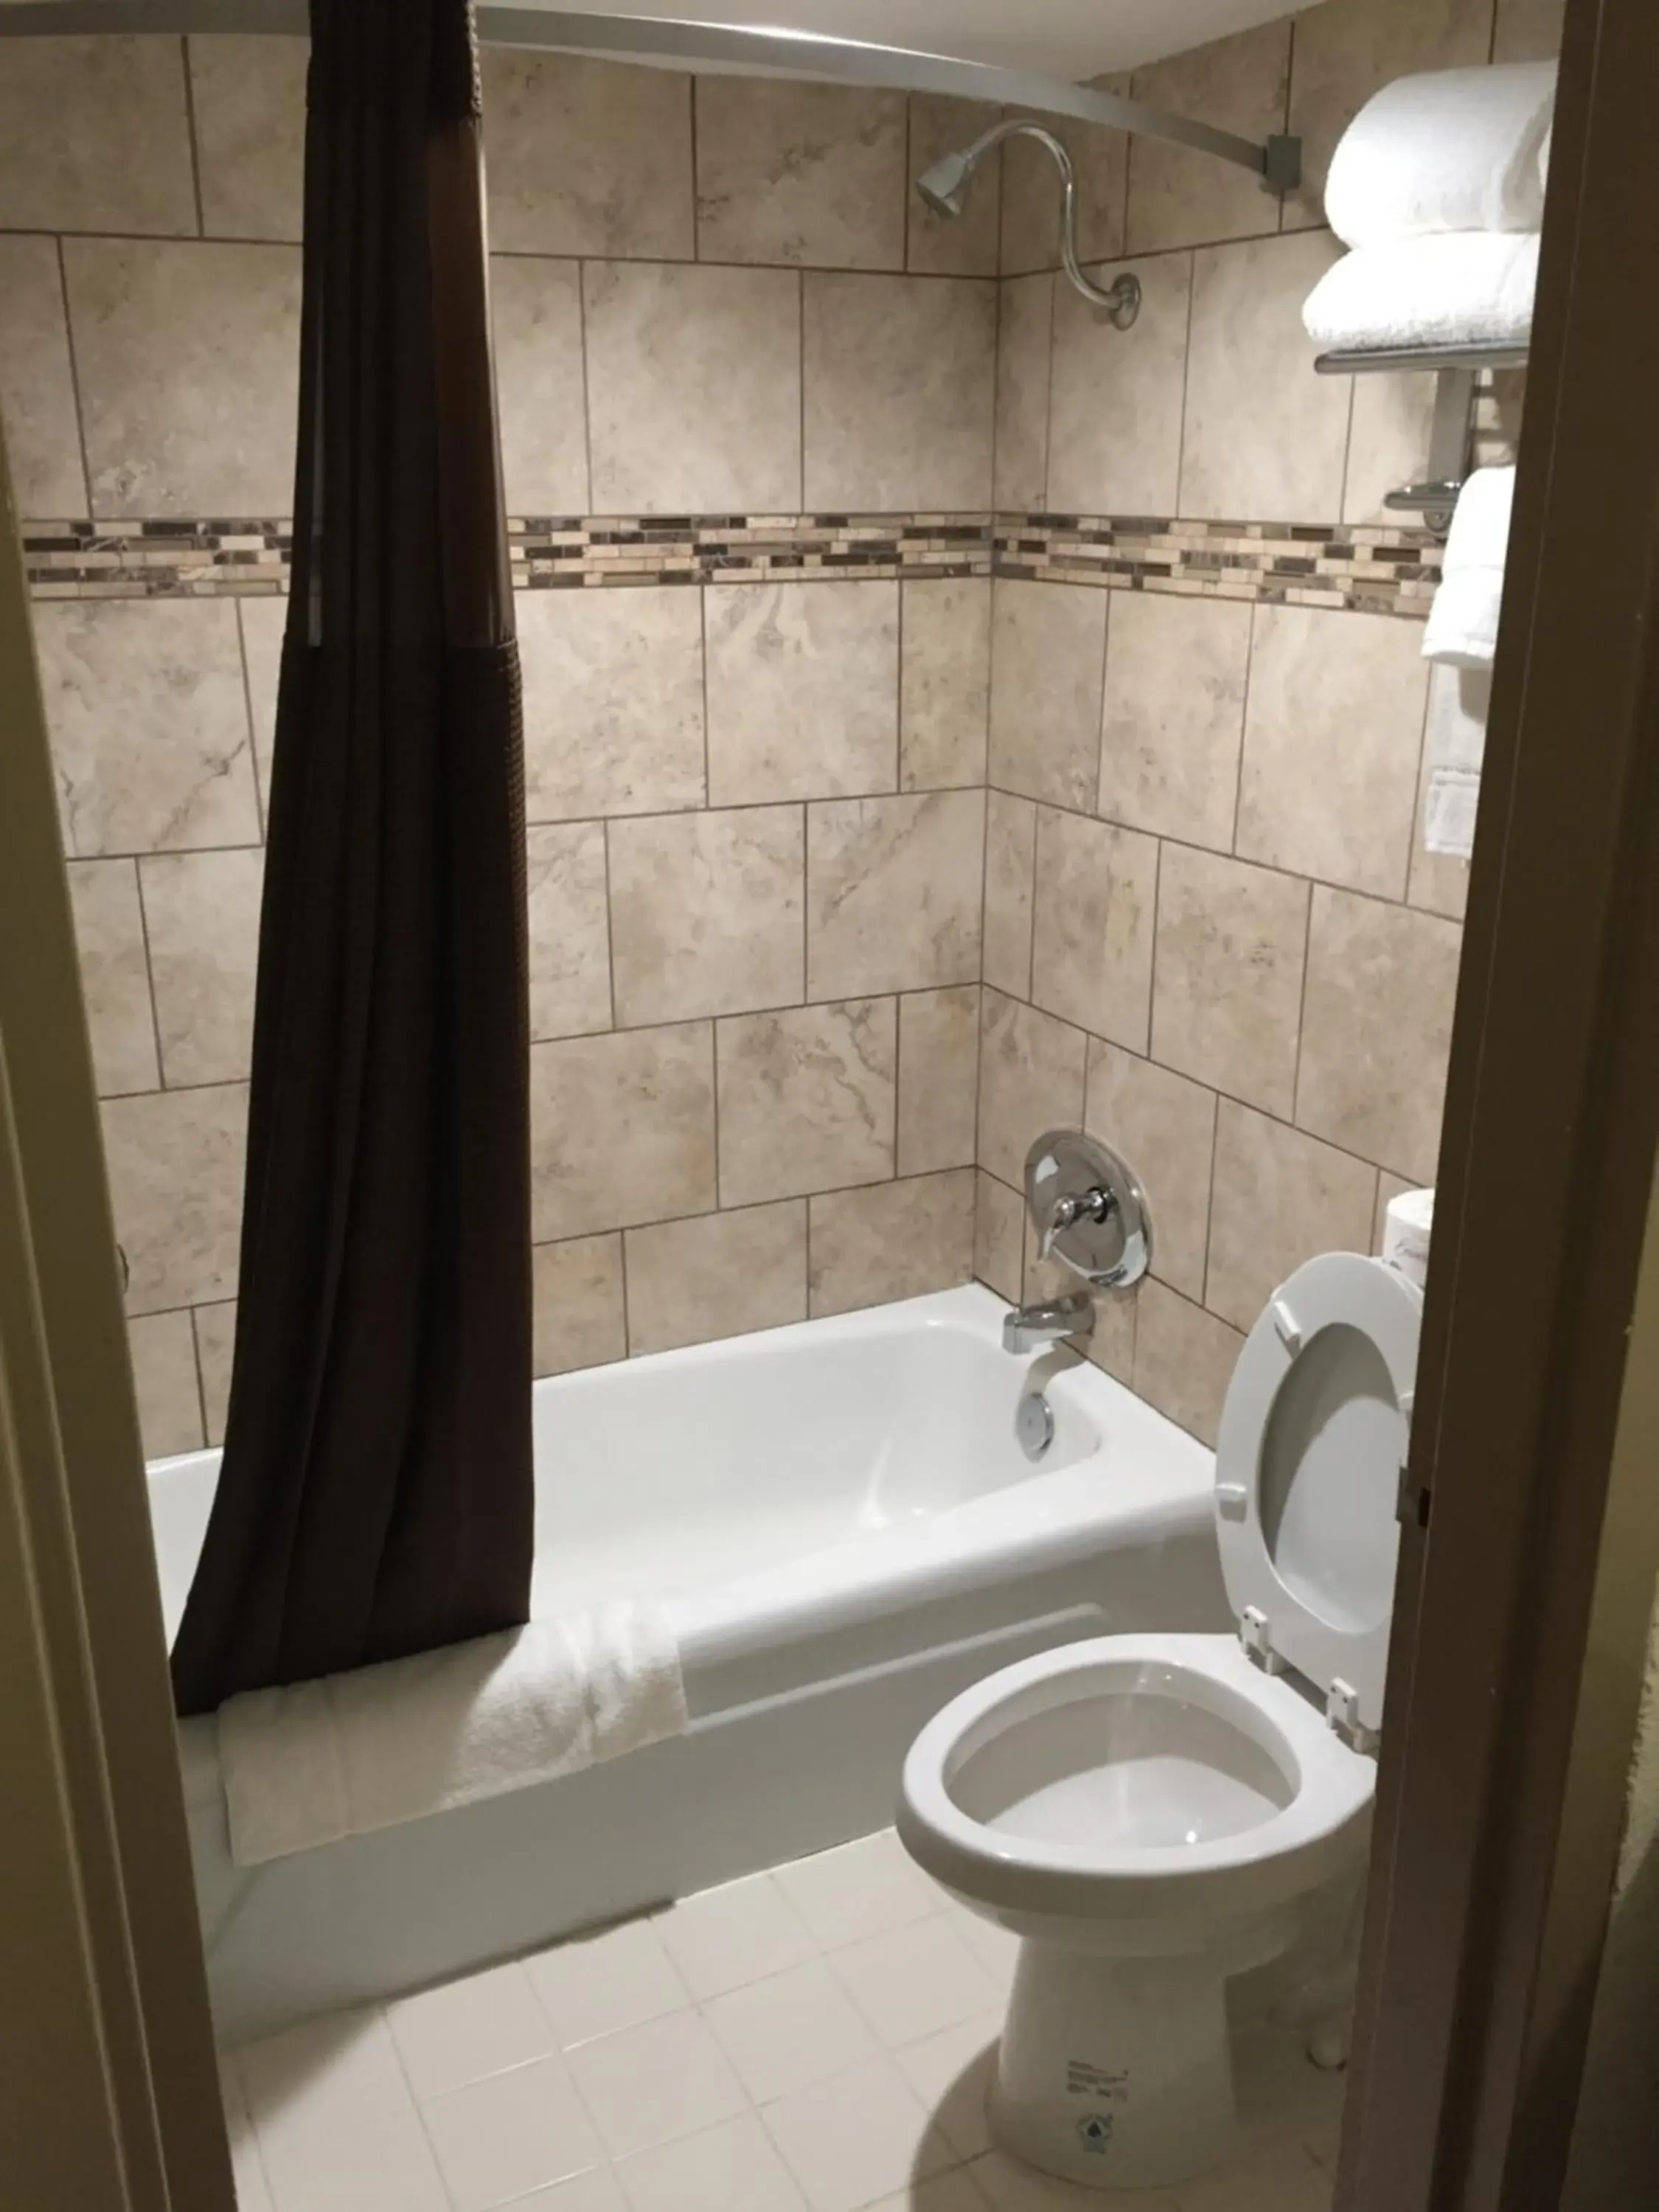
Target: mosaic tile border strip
point(217, 558)
point(1375, 570)
point(1371, 570)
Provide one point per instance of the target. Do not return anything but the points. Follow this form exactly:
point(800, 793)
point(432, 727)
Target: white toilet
point(1153, 1814)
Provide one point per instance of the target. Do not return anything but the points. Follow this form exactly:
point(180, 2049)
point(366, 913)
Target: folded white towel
point(318, 1760)
point(1459, 699)
point(1464, 288)
point(1462, 625)
point(1451, 151)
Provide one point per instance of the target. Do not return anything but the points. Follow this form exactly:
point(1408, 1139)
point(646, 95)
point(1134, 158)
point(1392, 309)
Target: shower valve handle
point(1096, 1204)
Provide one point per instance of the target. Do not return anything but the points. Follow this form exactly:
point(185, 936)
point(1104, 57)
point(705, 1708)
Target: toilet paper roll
point(1406, 1227)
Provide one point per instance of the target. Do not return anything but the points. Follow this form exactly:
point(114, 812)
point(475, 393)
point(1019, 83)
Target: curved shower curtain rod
point(1277, 162)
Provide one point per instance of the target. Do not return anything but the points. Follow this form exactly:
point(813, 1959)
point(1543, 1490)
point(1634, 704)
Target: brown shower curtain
point(376, 1492)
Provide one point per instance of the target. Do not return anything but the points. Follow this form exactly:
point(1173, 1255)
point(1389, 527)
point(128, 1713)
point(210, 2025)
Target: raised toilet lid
point(1313, 1437)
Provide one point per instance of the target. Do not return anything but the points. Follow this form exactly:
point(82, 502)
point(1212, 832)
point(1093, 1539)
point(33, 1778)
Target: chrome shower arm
point(943, 187)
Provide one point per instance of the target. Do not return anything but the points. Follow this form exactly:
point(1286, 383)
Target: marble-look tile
point(613, 715)
point(149, 722)
point(94, 135)
point(895, 889)
point(1048, 654)
point(938, 1079)
point(693, 388)
point(248, 103)
point(1025, 367)
point(188, 361)
point(802, 690)
point(807, 1100)
point(1115, 428)
point(175, 1160)
point(1031, 192)
point(536, 309)
point(263, 622)
point(706, 913)
point(1281, 1198)
point(1528, 30)
point(1177, 674)
point(897, 1240)
point(1346, 50)
point(721, 1274)
point(569, 929)
point(1031, 1078)
point(1265, 438)
point(964, 245)
point(215, 1350)
point(1184, 1360)
point(1230, 945)
point(580, 1314)
point(1376, 1029)
point(201, 919)
point(1333, 740)
point(587, 157)
point(1091, 952)
point(944, 682)
point(1164, 1126)
point(808, 174)
point(1010, 886)
point(1388, 443)
point(622, 1130)
point(37, 387)
point(163, 1349)
point(109, 936)
point(900, 381)
point(1177, 197)
point(999, 1237)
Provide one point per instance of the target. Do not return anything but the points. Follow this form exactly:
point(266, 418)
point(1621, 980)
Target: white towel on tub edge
point(317, 1762)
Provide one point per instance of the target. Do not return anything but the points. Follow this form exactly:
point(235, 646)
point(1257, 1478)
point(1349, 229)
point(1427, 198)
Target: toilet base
point(1114, 2073)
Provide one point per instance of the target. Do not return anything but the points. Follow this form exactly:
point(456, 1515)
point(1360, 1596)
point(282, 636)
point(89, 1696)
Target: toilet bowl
point(1153, 1815)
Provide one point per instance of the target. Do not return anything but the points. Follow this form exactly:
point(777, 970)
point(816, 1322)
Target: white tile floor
point(816, 2039)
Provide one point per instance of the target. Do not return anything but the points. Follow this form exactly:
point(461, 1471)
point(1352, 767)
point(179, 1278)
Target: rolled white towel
point(1462, 625)
point(1450, 150)
point(1466, 288)
point(317, 1762)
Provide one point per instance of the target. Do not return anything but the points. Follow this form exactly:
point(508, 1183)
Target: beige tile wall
point(840, 892)
point(1210, 930)
point(756, 811)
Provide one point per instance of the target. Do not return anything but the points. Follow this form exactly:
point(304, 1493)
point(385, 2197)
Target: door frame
point(111, 2098)
point(1523, 1610)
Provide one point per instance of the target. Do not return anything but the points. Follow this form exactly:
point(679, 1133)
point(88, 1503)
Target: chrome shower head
point(944, 186)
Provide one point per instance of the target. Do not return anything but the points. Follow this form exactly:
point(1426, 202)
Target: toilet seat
point(1134, 1892)
point(1312, 1442)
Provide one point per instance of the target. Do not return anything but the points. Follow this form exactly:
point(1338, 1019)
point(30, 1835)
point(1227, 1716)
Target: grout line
point(260, 796)
point(1049, 393)
point(694, 103)
point(201, 1384)
point(75, 373)
point(149, 981)
point(587, 404)
point(1244, 733)
point(191, 136)
point(610, 931)
point(800, 342)
point(1186, 371)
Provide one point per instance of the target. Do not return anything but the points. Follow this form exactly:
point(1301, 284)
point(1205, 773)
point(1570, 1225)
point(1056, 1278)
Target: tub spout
point(1029, 1329)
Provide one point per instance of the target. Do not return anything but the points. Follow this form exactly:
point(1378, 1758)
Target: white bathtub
point(846, 1532)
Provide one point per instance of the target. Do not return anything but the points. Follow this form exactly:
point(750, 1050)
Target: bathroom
point(949, 718)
